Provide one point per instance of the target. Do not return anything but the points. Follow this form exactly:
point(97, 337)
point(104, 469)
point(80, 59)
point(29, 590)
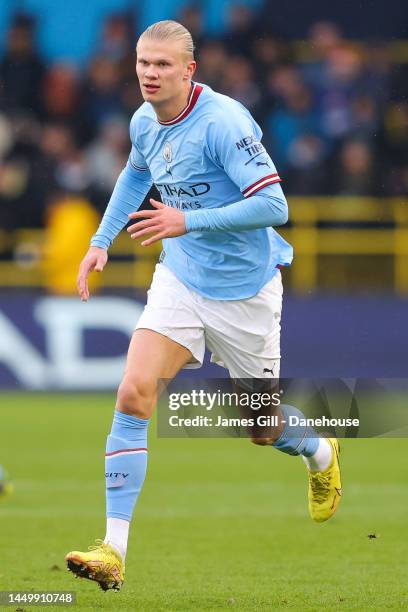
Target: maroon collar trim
point(192, 99)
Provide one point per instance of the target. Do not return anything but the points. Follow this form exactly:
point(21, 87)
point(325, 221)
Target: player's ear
point(190, 69)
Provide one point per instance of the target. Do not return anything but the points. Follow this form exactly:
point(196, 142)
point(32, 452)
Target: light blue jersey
point(206, 162)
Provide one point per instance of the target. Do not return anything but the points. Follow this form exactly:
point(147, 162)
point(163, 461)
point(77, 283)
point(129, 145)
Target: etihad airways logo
point(192, 191)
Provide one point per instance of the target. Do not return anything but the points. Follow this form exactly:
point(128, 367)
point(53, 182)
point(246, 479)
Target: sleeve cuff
point(189, 217)
point(102, 243)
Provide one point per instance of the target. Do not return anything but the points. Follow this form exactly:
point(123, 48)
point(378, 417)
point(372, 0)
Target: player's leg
point(151, 357)
point(244, 336)
point(169, 335)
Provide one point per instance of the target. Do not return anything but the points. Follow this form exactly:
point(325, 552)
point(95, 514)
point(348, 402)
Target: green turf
point(221, 524)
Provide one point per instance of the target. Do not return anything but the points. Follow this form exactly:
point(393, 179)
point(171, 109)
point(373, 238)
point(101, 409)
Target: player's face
point(163, 69)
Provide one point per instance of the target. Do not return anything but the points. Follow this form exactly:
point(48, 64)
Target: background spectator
point(333, 111)
point(21, 70)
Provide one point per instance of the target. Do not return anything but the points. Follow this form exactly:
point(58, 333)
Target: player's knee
point(262, 441)
point(137, 397)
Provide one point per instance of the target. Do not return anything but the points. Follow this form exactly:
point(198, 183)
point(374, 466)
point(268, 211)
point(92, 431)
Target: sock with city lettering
point(300, 439)
point(125, 470)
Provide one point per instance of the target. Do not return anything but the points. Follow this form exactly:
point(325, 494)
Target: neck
point(171, 108)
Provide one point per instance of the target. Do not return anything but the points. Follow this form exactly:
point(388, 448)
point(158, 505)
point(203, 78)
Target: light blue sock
point(296, 439)
point(125, 464)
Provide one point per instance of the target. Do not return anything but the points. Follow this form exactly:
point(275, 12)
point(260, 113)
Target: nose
point(151, 72)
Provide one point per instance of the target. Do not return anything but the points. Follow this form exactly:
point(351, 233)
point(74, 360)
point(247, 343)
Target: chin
point(149, 97)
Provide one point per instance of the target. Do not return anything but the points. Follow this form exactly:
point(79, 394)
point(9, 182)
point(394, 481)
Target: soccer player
point(218, 283)
point(6, 488)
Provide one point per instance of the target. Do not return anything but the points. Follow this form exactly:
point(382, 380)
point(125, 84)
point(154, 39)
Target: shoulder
point(225, 117)
point(218, 106)
point(141, 121)
point(226, 121)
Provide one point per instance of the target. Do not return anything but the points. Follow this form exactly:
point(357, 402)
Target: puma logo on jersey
point(258, 163)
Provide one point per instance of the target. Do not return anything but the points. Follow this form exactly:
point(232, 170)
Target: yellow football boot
point(325, 488)
point(102, 563)
point(6, 489)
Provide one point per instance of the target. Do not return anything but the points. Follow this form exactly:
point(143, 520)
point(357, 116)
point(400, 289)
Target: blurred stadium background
point(327, 82)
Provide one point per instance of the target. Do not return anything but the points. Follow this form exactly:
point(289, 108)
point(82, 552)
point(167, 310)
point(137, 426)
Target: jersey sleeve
point(234, 143)
point(136, 158)
point(129, 192)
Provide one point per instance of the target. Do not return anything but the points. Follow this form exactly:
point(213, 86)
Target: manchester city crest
point(167, 152)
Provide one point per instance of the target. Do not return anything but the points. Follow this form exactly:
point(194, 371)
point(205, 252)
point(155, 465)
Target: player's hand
point(162, 222)
point(95, 259)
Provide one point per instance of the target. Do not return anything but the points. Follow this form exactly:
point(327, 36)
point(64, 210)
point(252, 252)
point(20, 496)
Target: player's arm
point(234, 144)
point(130, 190)
point(263, 203)
point(268, 208)
point(265, 209)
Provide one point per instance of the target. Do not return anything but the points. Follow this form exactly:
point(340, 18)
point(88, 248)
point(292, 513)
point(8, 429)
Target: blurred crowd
point(334, 113)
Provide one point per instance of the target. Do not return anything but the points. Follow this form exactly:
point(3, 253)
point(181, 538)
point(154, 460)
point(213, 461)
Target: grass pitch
point(220, 525)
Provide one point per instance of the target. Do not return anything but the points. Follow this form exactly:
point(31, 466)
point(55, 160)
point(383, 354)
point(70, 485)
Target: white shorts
point(243, 335)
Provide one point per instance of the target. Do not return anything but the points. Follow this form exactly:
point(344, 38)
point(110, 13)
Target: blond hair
point(171, 30)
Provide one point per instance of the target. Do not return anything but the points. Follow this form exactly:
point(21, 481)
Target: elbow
point(281, 213)
point(282, 217)
point(278, 210)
